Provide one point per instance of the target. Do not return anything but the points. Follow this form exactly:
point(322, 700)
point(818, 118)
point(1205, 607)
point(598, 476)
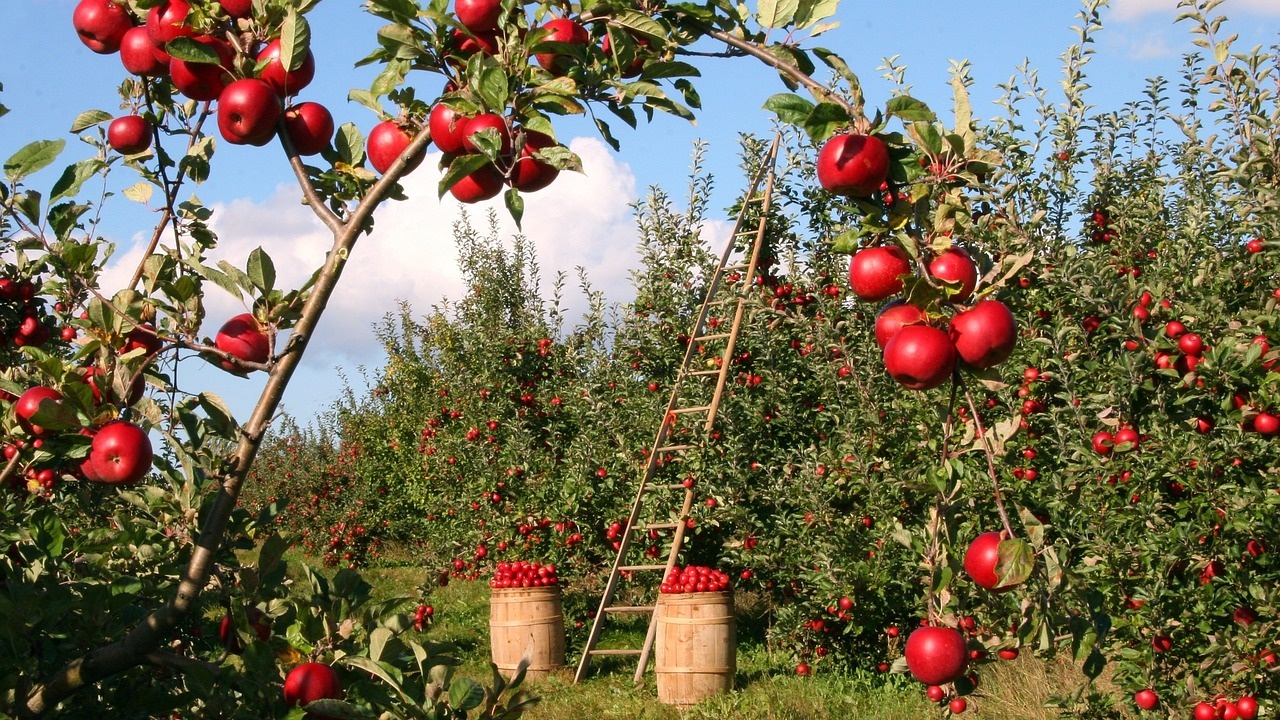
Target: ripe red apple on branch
point(875, 273)
point(936, 655)
point(120, 454)
point(920, 357)
point(853, 165)
point(101, 25)
point(387, 141)
point(245, 339)
point(129, 134)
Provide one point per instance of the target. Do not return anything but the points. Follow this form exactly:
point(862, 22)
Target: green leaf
point(140, 192)
point(909, 109)
point(465, 694)
point(492, 85)
point(33, 157)
point(220, 416)
point(776, 13)
point(272, 551)
point(367, 99)
point(640, 24)
point(88, 119)
point(378, 642)
point(811, 12)
point(28, 204)
point(349, 143)
point(462, 166)
point(789, 107)
point(837, 63)
point(63, 219)
point(185, 48)
point(515, 205)
point(73, 178)
point(262, 272)
point(660, 70)
point(295, 40)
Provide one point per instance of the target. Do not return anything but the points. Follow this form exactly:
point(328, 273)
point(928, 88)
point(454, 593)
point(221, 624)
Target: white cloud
point(580, 220)
point(1128, 10)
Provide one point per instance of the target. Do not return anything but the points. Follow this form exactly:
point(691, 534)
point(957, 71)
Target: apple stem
point(991, 462)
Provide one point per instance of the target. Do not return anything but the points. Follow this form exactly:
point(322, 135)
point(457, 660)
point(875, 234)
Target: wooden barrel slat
point(695, 647)
point(519, 615)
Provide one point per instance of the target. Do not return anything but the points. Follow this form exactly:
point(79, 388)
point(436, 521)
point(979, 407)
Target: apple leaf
point(515, 205)
point(492, 85)
point(603, 127)
point(825, 120)
point(465, 694)
point(220, 417)
point(640, 24)
point(837, 63)
point(88, 119)
point(188, 50)
point(777, 13)
point(349, 142)
point(55, 415)
point(1015, 563)
point(139, 192)
point(33, 157)
point(73, 177)
point(262, 272)
point(659, 70)
point(811, 12)
point(909, 109)
point(845, 243)
point(369, 100)
point(689, 92)
point(789, 107)
point(63, 219)
point(464, 165)
point(295, 40)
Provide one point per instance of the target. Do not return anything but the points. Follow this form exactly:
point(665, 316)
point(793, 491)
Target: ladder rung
point(675, 448)
point(700, 408)
point(713, 336)
point(642, 567)
point(705, 372)
point(626, 651)
point(673, 486)
point(661, 526)
point(630, 609)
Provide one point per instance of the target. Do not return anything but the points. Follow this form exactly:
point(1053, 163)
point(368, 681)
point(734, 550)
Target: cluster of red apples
point(694, 579)
point(252, 87)
point(524, 574)
point(1245, 708)
point(249, 84)
point(917, 352)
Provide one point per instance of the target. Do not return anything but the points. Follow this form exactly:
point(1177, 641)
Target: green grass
point(765, 686)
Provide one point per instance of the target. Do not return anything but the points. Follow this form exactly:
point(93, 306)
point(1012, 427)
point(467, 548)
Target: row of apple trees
point(134, 581)
point(1128, 444)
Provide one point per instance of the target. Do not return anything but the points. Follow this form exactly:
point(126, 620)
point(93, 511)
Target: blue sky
point(49, 77)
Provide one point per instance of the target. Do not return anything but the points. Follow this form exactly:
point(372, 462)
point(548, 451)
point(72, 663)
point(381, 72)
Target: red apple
point(480, 185)
point(202, 81)
point(1266, 424)
point(120, 454)
point(956, 266)
point(985, 334)
point(920, 357)
point(1191, 344)
point(1256, 245)
point(485, 41)
point(446, 127)
point(140, 56)
point(1128, 435)
point(101, 25)
point(853, 165)
point(530, 174)
point(29, 402)
point(167, 22)
point(484, 121)
point(310, 127)
point(478, 15)
point(1146, 699)
point(285, 82)
point(562, 30)
point(309, 682)
point(936, 655)
point(893, 317)
point(142, 337)
point(129, 135)
point(1103, 442)
point(1174, 329)
point(875, 273)
point(1247, 707)
point(387, 141)
point(245, 339)
point(981, 560)
point(248, 110)
point(237, 9)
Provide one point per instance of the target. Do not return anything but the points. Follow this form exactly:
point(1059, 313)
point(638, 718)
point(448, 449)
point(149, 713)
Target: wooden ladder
point(740, 258)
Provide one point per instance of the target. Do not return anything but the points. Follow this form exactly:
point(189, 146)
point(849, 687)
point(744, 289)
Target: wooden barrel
point(695, 646)
point(526, 619)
